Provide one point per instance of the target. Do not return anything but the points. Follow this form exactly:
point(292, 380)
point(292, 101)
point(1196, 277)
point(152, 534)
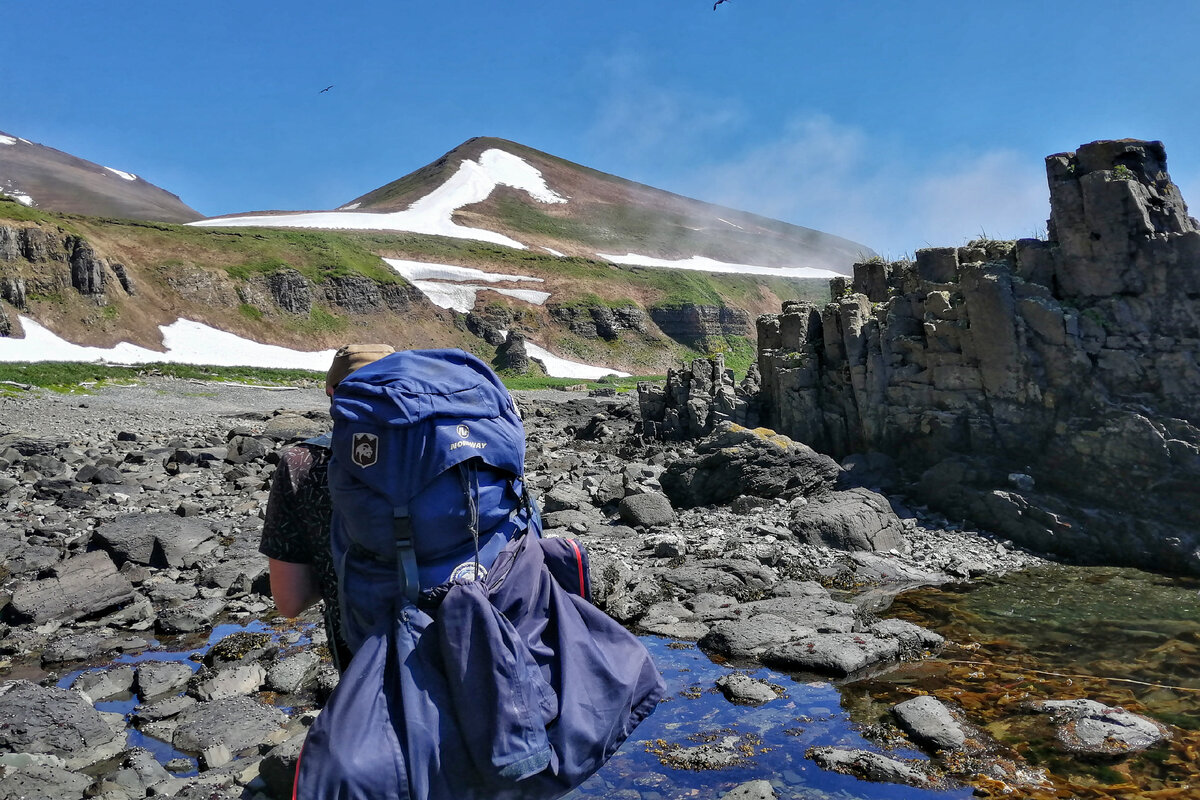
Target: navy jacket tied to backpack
point(481, 670)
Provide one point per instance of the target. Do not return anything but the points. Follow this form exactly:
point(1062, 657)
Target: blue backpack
point(481, 671)
point(425, 478)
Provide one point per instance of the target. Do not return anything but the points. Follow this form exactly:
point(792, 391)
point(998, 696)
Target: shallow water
point(779, 733)
point(1120, 636)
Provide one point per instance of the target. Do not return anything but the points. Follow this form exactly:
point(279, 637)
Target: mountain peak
point(42, 177)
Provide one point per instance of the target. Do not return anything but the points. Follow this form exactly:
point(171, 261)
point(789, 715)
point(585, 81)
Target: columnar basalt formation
point(1049, 390)
point(695, 399)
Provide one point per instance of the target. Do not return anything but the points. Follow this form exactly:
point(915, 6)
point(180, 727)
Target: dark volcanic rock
point(1049, 387)
point(511, 355)
point(738, 461)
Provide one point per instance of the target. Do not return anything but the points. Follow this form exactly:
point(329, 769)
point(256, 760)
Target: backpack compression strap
point(406, 557)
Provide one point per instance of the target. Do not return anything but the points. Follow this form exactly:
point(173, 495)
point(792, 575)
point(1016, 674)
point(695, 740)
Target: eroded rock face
point(690, 323)
point(1047, 388)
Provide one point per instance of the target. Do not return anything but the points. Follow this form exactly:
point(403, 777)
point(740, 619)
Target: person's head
point(352, 357)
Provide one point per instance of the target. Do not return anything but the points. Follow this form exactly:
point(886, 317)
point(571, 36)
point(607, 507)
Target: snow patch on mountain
point(463, 296)
point(704, 264)
point(185, 342)
point(129, 176)
point(7, 139)
point(432, 214)
point(562, 368)
point(424, 271)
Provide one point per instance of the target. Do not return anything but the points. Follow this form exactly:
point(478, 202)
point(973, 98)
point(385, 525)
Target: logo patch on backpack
point(365, 450)
point(468, 571)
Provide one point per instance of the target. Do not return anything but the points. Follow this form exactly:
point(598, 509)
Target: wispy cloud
point(641, 120)
point(890, 196)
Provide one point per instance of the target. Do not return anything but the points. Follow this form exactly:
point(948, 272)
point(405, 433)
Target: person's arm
point(293, 586)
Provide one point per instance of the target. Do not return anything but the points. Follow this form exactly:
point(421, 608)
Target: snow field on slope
point(704, 264)
point(431, 214)
point(185, 341)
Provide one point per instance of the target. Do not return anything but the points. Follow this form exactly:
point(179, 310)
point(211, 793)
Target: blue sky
point(899, 125)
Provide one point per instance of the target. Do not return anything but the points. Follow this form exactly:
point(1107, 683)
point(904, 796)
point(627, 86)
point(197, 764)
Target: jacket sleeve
point(501, 701)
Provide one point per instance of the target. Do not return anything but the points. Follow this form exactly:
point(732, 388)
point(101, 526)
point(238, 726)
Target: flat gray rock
point(237, 723)
point(750, 638)
point(929, 722)
point(80, 586)
point(156, 539)
point(44, 782)
point(192, 615)
point(824, 614)
point(242, 679)
point(292, 673)
point(105, 683)
point(866, 765)
point(155, 678)
point(1086, 726)
point(835, 654)
point(751, 790)
point(746, 691)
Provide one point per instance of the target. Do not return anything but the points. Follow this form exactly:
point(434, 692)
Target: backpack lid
point(425, 411)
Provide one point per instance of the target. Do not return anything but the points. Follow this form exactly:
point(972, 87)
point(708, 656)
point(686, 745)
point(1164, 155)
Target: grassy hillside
point(220, 276)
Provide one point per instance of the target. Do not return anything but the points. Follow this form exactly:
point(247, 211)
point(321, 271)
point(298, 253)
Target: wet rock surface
point(150, 561)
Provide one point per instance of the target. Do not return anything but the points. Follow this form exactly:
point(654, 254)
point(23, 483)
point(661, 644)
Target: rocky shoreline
point(132, 524)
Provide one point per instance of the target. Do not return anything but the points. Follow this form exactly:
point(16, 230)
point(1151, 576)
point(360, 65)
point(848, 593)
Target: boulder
point(648, 510)
point(834, 654)
point(739, 461)
point(858, 519)
point(1086, 726)
point(743, 690)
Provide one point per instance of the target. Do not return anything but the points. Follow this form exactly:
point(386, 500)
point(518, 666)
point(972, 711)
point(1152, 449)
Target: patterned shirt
point(296, 528)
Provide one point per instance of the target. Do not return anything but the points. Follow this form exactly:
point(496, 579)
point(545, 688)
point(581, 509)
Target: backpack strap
point(406, 557)
point(469, 478)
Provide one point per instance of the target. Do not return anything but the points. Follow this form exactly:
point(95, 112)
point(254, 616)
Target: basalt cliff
point(1046, 389)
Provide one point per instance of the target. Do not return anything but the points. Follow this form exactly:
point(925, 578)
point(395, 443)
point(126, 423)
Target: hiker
point(295, 535)
point(481, 670)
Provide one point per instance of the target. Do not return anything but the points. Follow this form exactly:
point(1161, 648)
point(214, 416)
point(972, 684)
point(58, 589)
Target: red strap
point(578, 563)
point(296, 777)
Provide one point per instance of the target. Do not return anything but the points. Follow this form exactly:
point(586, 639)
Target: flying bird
point(717, 4)
point(330, 86)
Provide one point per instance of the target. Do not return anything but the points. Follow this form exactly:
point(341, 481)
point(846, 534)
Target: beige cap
point(352, 357)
